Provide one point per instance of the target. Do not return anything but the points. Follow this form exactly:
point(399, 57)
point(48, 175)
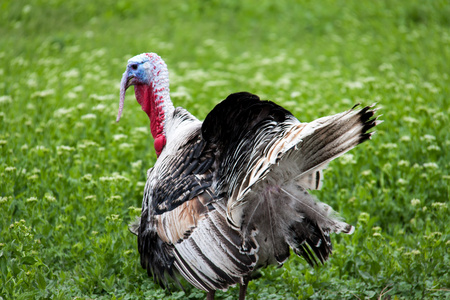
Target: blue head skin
point(137, 71)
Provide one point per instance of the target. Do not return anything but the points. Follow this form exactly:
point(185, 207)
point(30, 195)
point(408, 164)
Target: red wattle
point(150, 103)
point(159, 144)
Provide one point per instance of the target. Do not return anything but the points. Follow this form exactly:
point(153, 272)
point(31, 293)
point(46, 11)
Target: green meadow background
point(71, 178)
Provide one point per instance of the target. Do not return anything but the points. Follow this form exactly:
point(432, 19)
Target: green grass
point(71, 178)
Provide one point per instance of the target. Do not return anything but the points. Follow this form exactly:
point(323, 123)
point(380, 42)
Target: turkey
point(229, 195)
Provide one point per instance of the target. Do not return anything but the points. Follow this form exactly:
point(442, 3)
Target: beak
point(127, 81)
point(130, 81)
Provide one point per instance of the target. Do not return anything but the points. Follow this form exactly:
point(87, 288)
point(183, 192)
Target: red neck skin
point(148, 98)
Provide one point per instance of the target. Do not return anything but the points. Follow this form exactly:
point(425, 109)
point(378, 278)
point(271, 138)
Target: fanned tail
point(300, 220)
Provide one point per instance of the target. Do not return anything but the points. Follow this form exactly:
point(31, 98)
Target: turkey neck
point(155, 101)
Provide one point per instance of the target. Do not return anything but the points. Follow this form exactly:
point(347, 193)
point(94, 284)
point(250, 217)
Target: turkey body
point(229, 195)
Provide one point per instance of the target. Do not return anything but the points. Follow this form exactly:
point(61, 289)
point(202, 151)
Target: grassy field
point(71, 178)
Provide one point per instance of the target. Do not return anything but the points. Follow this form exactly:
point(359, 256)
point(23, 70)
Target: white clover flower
point(113, 217)
point(439, 205)
point(72, 73)
point(353, 85)
point(64, 149)
point(118, 137)
point(416, 166)
point(428, 138)
point(87, 178)
point(32, 199)
point(434, 235)
point(347, 159)
point(140, 184)
point(31, 106)
point(363, 217)
point(33, 177)
point(117, 178)
point(41, 148)
point(366, 173)
point(415, 202)
point(99, 107)
point(182, 93)
point(43, 94)
point(5, 99)
point(284, 82)
point(431, 165)
point(73, 49)
point(138, 132)
point(403, 163)
point(89, 117)
point(71, 95)
point(78, 88)
point(402, 181)
point(215, 83)
point(136, 164)
point(346, 101)
point(126, 146)
point(434, 148)
point(80, 125)
point(387, 167)
point(116, 198)
point(389, 146)
point(63, 112)
point(86, 143)
point(99, 52)
point(385, 67)
point(106, 178)
point(410, 86)
point(49, 197)
point(90, 198)
point(134, 210)
point(369, 79)
point(19, 61)
point(431, 88)
point(102, 97)
point(410, 120)
point(10, 169)
point(296, 94)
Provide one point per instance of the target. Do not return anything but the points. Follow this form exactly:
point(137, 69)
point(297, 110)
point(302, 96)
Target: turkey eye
point(134, 66)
